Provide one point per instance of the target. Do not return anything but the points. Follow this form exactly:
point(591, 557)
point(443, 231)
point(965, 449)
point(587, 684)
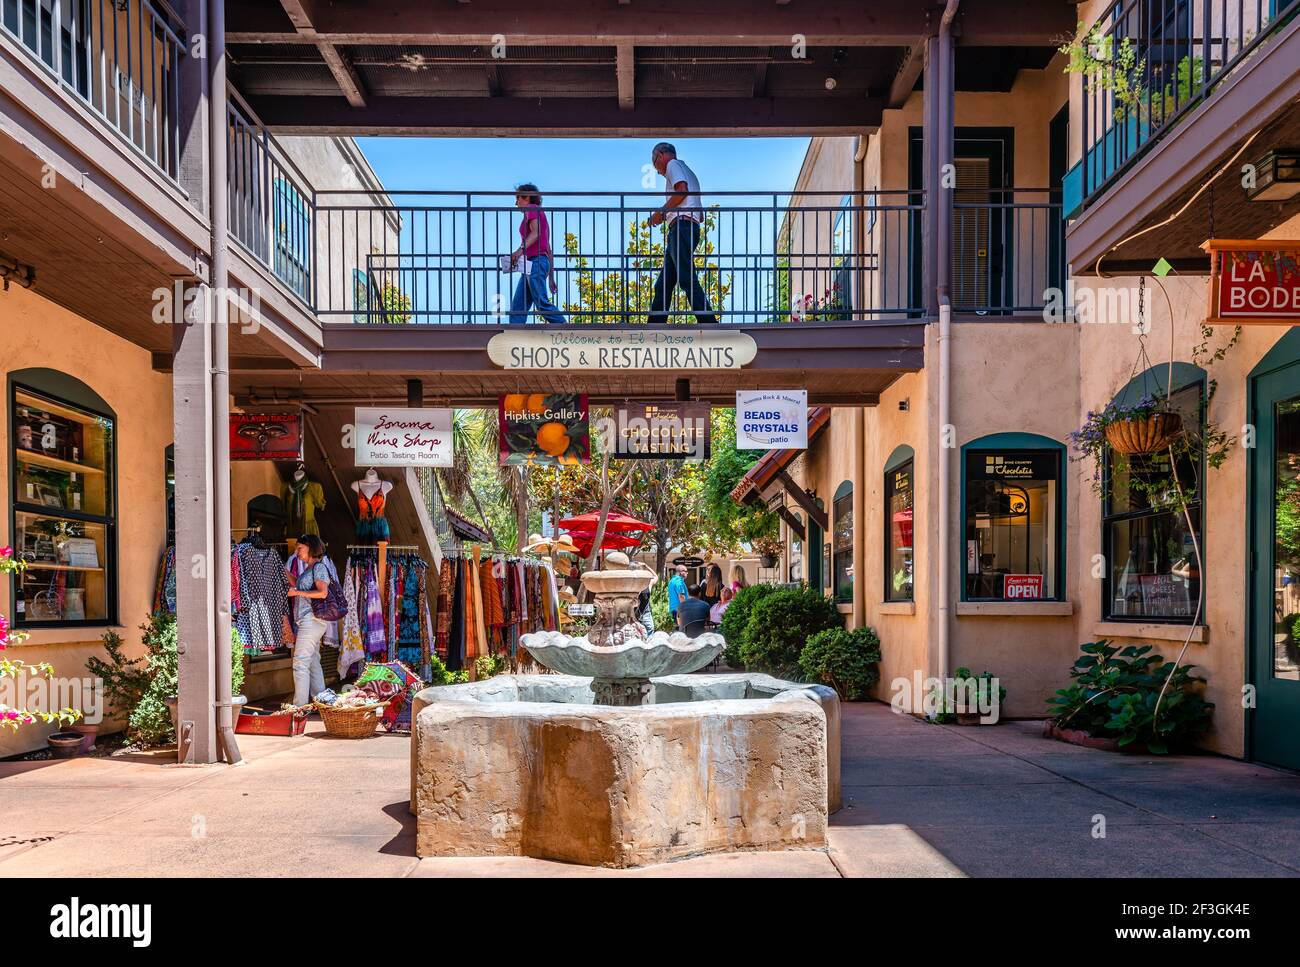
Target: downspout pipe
point(219, 133)
point(943, 272)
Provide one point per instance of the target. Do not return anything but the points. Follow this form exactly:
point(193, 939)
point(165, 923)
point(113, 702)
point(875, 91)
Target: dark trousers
point(679, 272)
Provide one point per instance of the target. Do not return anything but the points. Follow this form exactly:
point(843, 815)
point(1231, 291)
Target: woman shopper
point(534, 251)
point(312, 584)
point(738, 578)
point(710, 590)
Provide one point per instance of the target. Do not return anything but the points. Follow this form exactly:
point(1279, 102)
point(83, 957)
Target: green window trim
point(1028, 442)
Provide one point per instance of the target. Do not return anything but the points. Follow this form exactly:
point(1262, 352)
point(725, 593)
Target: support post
point(414, 393)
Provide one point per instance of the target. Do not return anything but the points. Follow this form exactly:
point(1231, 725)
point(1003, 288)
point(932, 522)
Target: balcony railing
point(1160, 58)
point(121, 57)
point(1008, 249)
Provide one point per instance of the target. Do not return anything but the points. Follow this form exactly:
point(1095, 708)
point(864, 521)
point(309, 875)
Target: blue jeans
point(532, 290)
point(679, 273)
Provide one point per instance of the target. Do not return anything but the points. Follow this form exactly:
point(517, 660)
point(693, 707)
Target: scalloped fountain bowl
point(623, 670)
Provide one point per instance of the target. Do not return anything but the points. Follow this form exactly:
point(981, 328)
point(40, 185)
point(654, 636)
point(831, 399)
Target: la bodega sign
point(1254, 282)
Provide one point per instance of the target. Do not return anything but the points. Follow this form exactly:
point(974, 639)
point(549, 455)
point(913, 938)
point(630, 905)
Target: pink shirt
point(543, 244)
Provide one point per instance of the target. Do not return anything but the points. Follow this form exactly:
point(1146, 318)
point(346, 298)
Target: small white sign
point(582, 611)
point(401, 437)
point(775, 420)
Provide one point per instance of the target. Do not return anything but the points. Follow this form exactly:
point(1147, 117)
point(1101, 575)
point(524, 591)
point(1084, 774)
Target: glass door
point(1275, 648)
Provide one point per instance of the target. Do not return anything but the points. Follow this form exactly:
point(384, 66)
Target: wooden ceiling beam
point(345, 75)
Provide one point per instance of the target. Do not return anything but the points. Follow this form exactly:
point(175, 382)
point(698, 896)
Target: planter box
point(266, 722)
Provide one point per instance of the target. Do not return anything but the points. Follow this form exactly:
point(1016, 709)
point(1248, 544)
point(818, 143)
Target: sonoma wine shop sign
point(1254, 281)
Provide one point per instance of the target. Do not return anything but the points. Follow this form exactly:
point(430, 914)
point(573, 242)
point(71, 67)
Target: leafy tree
point(725, 470)
point(623, 296)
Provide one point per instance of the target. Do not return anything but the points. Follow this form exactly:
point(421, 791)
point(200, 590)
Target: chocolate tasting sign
point(653, 430)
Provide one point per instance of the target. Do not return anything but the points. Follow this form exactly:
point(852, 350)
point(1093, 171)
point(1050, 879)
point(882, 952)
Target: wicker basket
point(1145, 434)
point(351, 723)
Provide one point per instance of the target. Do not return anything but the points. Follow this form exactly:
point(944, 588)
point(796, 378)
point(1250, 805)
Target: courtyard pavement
point(919, 800)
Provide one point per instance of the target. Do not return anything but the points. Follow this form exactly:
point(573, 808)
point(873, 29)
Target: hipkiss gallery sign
point(402, 437)
point(1254, 282)
point(683, 348)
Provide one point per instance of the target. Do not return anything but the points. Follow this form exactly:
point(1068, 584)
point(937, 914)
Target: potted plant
point(952, 702)
point(1145, 427)
point(769, 549)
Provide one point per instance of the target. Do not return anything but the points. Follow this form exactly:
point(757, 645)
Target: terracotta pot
point(1145, 434)
point(1080, 737)
point(88, 734)
point(968, 718)
point(65, 745)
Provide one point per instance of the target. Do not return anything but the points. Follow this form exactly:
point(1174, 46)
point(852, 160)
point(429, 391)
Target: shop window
point(842, 542)
point(1152, 573)
point(1013, 498)
point(63, 454)
point(898, 524)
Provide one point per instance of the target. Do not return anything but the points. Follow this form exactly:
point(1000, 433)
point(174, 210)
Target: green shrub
point(150, 722)
point(966, 687)
point(1115, 692)
point(780, 625)
point(736, 617)
point(844, 660)
point(487, 666)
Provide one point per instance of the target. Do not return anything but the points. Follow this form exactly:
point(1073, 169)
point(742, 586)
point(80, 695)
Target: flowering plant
point(768, 546)
point(826, 309)
point(10, 716)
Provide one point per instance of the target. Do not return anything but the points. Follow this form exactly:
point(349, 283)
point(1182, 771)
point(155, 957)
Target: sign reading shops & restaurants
point(683, 348)
point(1254, 282)
point(775, 420)
point(653, 430)
point(402, 437)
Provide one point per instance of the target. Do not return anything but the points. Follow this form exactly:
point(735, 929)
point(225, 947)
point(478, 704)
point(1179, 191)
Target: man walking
point(684, 212)
point(676, 591)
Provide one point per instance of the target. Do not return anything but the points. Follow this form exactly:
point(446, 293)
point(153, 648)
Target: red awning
point(615, 522)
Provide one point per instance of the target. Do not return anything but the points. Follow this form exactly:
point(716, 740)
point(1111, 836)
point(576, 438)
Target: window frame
point(1185, 375)
point(903, 456)
point(65, 390)
point(1022, 443)
point(843, 492)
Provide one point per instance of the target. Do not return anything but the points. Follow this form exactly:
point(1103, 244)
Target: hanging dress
point(351, 645)
point(372, 525)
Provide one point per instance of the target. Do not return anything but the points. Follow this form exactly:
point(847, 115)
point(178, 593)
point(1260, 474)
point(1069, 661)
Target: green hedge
point(844, 660)
point(780, 626)
point(736, 617)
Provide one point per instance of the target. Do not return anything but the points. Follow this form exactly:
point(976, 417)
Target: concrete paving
point(919, 800)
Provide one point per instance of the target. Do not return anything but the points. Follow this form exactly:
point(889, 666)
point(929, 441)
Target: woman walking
point(312, 584)
point(534, 252)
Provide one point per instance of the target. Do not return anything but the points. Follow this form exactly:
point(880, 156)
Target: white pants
point(308, 678)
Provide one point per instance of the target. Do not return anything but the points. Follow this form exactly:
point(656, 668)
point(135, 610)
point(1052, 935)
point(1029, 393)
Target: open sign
point(1022, 587)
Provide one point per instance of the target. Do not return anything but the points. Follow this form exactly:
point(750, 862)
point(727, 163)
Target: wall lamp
point(1277, 176)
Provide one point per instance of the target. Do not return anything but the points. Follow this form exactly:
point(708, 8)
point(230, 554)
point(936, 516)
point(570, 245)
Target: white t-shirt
point(692, 207)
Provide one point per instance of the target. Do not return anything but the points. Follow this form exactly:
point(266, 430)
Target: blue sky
point(578, 164)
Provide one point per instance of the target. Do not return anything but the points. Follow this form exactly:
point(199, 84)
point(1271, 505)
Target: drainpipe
point(943, 272)
point(219, 214)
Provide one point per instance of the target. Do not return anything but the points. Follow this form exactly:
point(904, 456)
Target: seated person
point(693, 614)
point(719, 609)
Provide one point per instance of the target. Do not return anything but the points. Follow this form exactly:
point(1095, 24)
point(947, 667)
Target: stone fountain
point(623, 758)
point(617, 654)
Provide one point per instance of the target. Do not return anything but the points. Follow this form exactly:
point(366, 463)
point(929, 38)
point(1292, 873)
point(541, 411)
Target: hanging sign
point(543, 429)
point(657, 431)
point(685, 348)
point(265, 436)
point(401, 437)
point(775, 420)
point(1254, 282)
point(1022, 587)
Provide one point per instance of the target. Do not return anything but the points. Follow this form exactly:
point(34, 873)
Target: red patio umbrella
point(610, 542)
point(615, 523)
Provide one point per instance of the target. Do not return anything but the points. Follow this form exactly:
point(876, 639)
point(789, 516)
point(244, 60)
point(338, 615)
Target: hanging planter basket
point(1146, 434)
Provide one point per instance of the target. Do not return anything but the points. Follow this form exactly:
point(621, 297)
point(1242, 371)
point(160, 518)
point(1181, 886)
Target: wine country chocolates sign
point(682, 348)
point(401, 437)
point(654, 430)
point(265, 436)
point(1254, 282)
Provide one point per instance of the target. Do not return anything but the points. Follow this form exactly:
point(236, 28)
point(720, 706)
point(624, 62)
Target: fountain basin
point(527, 766)
point(638, 656)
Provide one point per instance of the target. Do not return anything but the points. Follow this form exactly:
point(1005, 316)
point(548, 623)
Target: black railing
point(121, 57)
point(1154, 60)
point(1008, 250)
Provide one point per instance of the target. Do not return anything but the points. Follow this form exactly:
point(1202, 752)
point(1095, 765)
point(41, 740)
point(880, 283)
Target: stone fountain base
point(525, 765)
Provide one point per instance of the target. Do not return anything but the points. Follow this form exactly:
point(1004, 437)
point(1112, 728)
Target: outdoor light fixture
point(1277, 176)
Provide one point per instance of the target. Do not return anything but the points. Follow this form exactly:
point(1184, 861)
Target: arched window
point(63, 500)
point(1151, 572)
point(842, 541)
point(1013, 500)
point(898, 525)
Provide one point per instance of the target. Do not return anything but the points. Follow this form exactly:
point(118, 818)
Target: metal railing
point(1159, 59)
point(1008, 249)
point(121, 57)
point(445, 257)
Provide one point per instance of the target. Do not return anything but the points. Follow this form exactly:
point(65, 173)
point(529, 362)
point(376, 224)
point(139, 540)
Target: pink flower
point(6, 551)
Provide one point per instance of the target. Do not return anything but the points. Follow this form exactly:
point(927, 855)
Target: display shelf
point(35, 566)
point(54, 463)
point(56, 409)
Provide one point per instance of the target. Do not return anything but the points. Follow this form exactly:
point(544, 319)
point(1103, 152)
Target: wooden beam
point(792, 522)
point(625, 68)
point(909, 72)
point(569, 116)
point(345, 75)
point(801, 497)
